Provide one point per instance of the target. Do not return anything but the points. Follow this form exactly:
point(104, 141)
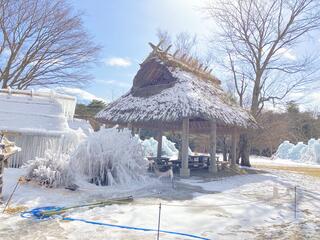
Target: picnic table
point(196, 161)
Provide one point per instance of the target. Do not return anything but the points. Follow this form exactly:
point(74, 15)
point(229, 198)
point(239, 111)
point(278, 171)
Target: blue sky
point(124, 27)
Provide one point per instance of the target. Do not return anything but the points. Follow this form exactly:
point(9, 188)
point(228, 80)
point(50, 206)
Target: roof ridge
point(185, 62)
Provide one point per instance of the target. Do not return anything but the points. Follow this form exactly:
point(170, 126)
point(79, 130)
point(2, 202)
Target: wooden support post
point(213, 147)
point(139, 132)
point(184, 170)
point(159, 149)
point(130, 127)
point(1, 174)
point(234, 147)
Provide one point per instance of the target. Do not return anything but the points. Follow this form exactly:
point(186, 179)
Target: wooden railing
point(36, 94)
point(68, 103)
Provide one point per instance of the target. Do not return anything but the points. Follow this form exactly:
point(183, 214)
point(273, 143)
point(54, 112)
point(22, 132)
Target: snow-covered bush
point(110, 157)
point(53, 169)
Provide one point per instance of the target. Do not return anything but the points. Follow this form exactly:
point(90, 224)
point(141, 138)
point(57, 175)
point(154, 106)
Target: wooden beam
point(195, 127)
point(139, 132)
point(184, 170)
point(213, 146)
point(130, 127)
point(1, 174)
point(168, 48)
point(159, 149)
point(234, 147)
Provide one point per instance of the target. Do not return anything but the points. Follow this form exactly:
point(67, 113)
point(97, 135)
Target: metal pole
point(15, 188)
point(295, 202)
point(158, 235)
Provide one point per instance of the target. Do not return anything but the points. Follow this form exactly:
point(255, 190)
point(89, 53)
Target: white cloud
point(82, 96)
point(287, 53)
point(114, 83)
point(118, 62)
point(307, 100)
point(310, 101)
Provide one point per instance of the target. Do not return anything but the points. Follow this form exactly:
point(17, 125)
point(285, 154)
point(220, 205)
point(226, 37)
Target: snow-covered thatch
point(167, 89)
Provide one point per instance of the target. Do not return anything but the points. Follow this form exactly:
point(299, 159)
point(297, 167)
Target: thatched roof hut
point(168, 90)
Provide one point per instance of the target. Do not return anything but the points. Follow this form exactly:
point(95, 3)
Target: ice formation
point(34, 121)
point(312, 152)
point(297, 151)
point(151, 145)
point(53, 169)
point(110, 157)
point(301, 152)
point(283, 149)
point(77, 123)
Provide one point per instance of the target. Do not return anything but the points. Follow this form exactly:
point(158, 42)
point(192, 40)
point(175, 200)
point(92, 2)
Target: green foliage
point(301, 125)
point(90, 110)
point(292, 107)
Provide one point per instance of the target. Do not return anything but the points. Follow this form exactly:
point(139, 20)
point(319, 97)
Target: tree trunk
point(245, 150)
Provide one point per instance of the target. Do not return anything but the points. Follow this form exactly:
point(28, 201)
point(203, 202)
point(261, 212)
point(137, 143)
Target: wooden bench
point(195, 162)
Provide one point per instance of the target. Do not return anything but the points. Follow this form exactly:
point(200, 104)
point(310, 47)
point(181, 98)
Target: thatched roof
point(167, 89)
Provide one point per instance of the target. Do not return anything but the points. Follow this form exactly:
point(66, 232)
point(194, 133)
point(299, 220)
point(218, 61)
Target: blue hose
point(134, 228)
point(43, 213)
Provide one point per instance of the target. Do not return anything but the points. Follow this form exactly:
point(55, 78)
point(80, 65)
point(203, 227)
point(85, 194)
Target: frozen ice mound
point(300, 152)
point(284, 149)
point(297, 151)
point(312, 153)
point(150, 147)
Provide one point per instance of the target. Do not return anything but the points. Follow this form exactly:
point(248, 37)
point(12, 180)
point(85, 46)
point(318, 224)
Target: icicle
point(109, 157)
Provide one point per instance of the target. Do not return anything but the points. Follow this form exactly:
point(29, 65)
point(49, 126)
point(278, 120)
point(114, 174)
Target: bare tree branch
point(43, 43)
point(256, 35)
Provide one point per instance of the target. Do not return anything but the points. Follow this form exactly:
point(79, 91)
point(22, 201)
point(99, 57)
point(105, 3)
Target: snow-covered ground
point(253, 206)
point(275, 161)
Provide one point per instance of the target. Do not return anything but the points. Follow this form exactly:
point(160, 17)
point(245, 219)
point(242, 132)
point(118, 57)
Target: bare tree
point(184, 43)
point(164, 38)
point(257, 38)
point(43, 43)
